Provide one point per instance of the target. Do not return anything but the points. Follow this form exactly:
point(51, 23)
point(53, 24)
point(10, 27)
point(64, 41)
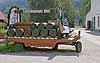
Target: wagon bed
point(43, 42)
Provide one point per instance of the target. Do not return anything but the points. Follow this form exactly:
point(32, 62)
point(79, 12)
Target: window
point(98, 21)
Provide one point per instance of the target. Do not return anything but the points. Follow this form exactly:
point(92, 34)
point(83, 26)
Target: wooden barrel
point(35, 32)
point(41, 26)
point(33, 26)
point(44, 33)
point(52, 32)
point(11, 32)
point(19, 32)
point(27, 33)
point(12, 26)
point(49, 26)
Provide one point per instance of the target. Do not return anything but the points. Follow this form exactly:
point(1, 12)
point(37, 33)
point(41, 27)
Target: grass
point(11, 47)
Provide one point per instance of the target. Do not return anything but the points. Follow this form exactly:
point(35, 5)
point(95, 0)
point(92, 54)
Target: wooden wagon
point(45, 42)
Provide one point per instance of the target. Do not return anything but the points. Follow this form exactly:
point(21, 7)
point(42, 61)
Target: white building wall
point(94, 12)
point(97, 24)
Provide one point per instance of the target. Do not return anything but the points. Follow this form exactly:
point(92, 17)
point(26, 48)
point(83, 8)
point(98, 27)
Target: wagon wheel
point(78, 46)
point(56, 47)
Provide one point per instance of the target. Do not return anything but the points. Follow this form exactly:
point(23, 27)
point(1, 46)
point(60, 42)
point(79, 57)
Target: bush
point(11, 47)
point(3, 48)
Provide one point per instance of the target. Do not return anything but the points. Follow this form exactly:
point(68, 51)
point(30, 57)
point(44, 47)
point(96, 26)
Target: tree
point(25, 17)
point(42, 4)
point(67, 7)
point(85, 8)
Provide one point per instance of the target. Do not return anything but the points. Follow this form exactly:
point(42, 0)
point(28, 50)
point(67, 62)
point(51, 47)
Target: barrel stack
point(35, 30)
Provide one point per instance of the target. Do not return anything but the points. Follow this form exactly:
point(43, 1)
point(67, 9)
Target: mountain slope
point(77, 3)
point(4, 4)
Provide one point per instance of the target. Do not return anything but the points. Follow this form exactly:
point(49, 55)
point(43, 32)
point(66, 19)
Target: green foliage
point(3, 48)
point(2, 27)
point(11, 47)
point(85, 7)
point(14, 47)
point(42, 4)
point(25, 17)
point(66, 5)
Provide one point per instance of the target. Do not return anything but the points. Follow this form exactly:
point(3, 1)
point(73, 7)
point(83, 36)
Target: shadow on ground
point(44, 52)
point(97, 33)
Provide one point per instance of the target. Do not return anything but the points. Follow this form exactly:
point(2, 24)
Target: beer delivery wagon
point(41, 34)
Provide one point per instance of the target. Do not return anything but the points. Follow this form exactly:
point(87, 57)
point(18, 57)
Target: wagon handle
point(79, 32)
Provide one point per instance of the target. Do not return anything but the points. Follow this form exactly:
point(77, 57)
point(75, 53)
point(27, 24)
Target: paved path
point(89, 54)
